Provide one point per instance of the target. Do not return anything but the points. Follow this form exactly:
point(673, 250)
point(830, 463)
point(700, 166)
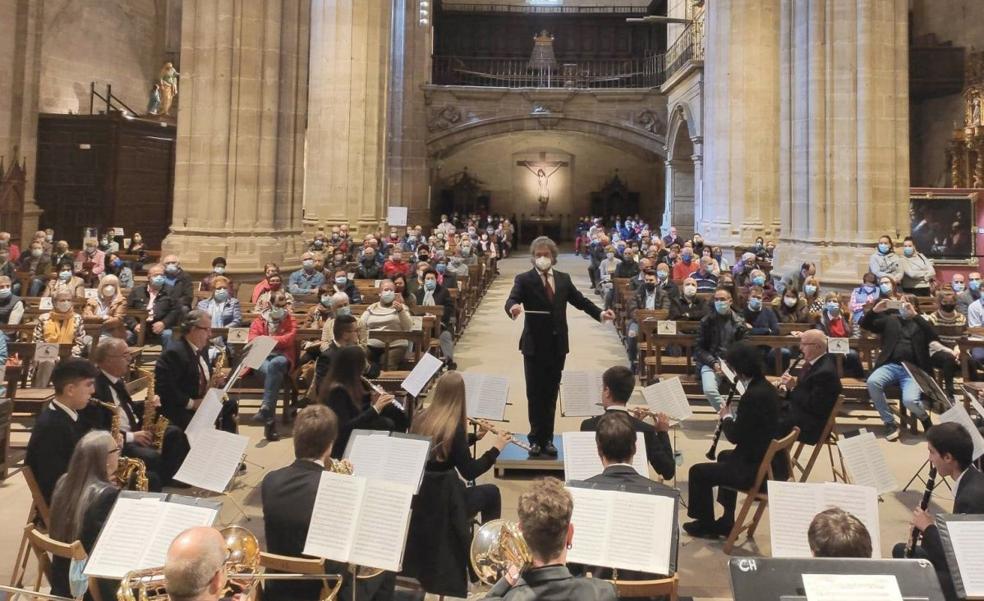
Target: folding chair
point(38, 516)
point(666, 588)
point(823, 441)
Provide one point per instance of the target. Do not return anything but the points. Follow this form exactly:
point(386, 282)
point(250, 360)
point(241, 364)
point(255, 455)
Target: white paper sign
point(238, 335)
point(850, 587)
point(667, 396)
point(213, 460)
point(126, 243)
point(666, 328)
point(421, 374)
point(396, 215)
point(839, 346)
point(958, 414)
point(46, 351)
point(117, 231)
point(45, 304)
point(581, 460)
point(91, 293)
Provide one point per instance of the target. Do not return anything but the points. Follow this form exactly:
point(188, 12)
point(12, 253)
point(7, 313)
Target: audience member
point(116, 266)
point(342, 283)
point(277, 323)
point(719, 330)
point(971, 294)
point(884, 262)
point(918, 272)
point(163, 309)
point(61, 325)
point(11, 306)
point(37, 263)
point(388, 314)
point(66, 280)
point(264, 302)
point(182, 288)
point(218, 270)
point(263, 286)
point(307, 279)
point(223, 309)
point(688, 306)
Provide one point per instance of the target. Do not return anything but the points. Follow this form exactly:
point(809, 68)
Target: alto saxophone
point(131, 473)
point(153, 423)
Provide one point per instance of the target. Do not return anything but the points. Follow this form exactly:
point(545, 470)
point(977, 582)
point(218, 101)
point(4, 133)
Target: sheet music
point(968, 547)
point(213, 460)
point(793, 505)
point(333, 518)
point(667, 396)
point(977, 406)
point(381, 534)
point(421, 374)
point(485, 396)
point(390, 458)
point(866, 462)
point(581, 460)
point(258, 350)
point(958, 414)
point(844, 587)
point(862, 502)
point(175, 519)
point(592, 512)
point(205, 415)
point(581, 393)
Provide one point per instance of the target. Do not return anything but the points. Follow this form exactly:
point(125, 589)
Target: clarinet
point(914, 537)
point(712, 452)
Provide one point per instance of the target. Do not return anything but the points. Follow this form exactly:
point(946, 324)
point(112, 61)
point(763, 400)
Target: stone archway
point(681, 181)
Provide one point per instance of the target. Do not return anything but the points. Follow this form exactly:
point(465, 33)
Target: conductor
point(544, 293)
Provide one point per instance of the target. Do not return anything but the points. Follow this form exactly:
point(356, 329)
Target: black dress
point(362, 417)
point(484, 498)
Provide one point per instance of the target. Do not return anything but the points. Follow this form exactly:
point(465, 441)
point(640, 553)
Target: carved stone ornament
point(651, 121)
point(445, 118)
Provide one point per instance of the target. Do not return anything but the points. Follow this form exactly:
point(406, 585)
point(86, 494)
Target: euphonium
point(497, 546)
point(131, 473)
point(340, 467)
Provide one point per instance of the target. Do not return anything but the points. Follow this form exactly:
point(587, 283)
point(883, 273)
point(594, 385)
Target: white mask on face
point(109, 291)
point(543, 263)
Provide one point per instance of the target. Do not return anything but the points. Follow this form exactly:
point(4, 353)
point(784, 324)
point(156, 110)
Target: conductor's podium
point(513, 457)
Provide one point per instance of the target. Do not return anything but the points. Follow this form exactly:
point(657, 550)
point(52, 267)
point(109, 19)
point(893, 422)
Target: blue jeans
point(710, 383)
point(274, 368)
point(894, 373)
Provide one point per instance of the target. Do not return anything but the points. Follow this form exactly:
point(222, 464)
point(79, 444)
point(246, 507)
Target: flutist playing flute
point(810, 396)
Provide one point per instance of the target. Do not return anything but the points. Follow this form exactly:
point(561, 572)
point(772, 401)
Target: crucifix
point(538, 168)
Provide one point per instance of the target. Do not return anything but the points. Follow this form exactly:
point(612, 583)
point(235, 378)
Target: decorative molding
point(444, 118)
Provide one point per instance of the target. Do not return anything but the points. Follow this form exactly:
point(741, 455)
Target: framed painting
point(942, 227)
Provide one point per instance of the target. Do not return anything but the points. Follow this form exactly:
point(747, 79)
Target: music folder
point(820, 579)
point(962, 536)
point(390, 456)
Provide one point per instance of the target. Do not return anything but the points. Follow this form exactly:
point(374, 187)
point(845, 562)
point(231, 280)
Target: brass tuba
point(497, 546)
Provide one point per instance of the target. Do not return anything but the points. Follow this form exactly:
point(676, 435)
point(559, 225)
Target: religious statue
point(542, 179)
point(168, 83)
point(543, 57)
point(154, 104)
point(976, 116)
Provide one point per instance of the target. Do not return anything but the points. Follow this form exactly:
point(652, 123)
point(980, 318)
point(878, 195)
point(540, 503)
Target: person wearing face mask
point(687, 306)
point(544, 342)
point(697, 243)
point(596, 254)
point(263, 286)
point(468, 251)
point(905, 336)
point(319, 244)
point(278, 323)
point(321, 311)
point(181, 286)
point(704, 275)
point(222, 307)
point(918, 272)
point(863, 297)
point(649, 296)
point(369, 267)
point(307, 279)
point(341, 283)
point(685, 265)
point(457, 267)
point(432, 294)
point(90, 262)
point(444, 277)
point(967, 297)
point(276, 285)
point(11, 306)
point(835, 323)
point(758, 315)
point(758, 278)
point(61, 254)
point(218, 270)
point(65, 280)
point(606, 270)
point(884, 261)
point(109, 304)
point(37, 263)
point(719, 331)
point(396, 265)
point(813, 296)
point(759, 249)
point(7, 266)
point(629, 267)
point(163, 310)
point(791, 307)
point(945, 354)
point(390, 313)
point(742, 272)
point(116, 266)
point(62, 325)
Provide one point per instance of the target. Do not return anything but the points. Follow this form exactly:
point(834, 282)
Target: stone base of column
point(245, 253)
point(839, 264)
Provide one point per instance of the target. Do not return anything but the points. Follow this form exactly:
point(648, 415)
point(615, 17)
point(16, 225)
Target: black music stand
point(781, 578)
point(930, 389)
point(959, 586)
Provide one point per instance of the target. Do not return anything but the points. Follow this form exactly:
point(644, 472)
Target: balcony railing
point(516, 73)
point(688, 47)
point(543, 10)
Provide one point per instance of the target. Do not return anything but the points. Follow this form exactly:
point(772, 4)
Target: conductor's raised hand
point(607, 315)
point(515, 310)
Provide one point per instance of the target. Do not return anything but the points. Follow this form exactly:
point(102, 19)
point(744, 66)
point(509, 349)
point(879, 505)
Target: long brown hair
point(345, 371)
point(444, 416)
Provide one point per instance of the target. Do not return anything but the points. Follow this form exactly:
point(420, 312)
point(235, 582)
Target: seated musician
point(346, 392)
point(182, 372)
point(751, 431)
point(81, 503)
point(278, 323)
point(545, 520)
point(62, 325)
point(288, 496)
point(62, 423)
point(810, 396)
point(444, 421)
point(719, 330)
point(433, 294)
point(112, 357)
point(687, 306)
point(951, 451)
point(389, 314)
point(163, 308)
point(617, 385)
point(837, 533)
point(194, 568)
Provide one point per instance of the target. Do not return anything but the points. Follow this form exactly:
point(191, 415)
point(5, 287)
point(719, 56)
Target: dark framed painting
point(943, 228)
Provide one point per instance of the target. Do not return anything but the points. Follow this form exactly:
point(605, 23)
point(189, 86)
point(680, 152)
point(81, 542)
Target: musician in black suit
point(182, 372)
point(544, 342)
point(112, 357)
point(811, 396)
point(288, 496)
point(62, 423)
point(951, 451)
point(751, 431)
point(545, 520)
point(617, 385)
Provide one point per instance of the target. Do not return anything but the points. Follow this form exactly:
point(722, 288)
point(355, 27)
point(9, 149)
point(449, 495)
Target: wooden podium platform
point(514, 458)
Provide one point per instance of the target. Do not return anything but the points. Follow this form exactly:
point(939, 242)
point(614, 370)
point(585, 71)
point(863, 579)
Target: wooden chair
point(757, 493)
point(666, 588)
point(38, 516)
point(42, 545)
point(824, 440)
point(297, 565)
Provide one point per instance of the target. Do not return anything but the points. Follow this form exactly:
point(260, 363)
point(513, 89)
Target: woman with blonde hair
point(109, 304)
point(61, 325)
point(445, 422)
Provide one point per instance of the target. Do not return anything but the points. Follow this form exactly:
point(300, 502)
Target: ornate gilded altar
point(965, 153)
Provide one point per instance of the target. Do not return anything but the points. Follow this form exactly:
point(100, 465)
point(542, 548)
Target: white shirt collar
point(193, 347)
point(72, 413)
point(622, 464)
point(112, 379)
point(617, 408)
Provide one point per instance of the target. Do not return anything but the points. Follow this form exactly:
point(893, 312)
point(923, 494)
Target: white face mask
point(543, 263)
point(109, 291)
point(63, 306)
point(690, 290)
point(790, 301)
point(387, 296)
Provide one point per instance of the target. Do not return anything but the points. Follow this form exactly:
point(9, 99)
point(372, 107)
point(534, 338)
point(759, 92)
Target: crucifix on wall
point(543, 170)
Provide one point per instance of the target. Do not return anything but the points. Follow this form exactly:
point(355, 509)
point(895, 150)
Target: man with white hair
point(545, 292)
point(810, 397)
point(194, 568)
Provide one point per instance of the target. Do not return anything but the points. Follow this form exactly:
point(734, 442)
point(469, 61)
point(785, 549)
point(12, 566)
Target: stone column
point(238, 175)
point(679, 199)
point(844, 146)
point(346, 153)
point(406, 154)
point(741, 131)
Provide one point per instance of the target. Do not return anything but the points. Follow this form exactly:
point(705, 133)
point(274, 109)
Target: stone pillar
point(844, 145)
point(741, 131)
point(406, 154)
point(240, 150)
point(344, 180)
point(679, 200)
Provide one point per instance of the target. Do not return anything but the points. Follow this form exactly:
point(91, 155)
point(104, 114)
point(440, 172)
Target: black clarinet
point(910, 547)
point(712, 452)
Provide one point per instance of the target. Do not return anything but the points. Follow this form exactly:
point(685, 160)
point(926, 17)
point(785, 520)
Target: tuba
point(496, 547)
point(131, 473)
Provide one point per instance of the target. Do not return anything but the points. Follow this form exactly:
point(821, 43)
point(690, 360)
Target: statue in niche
point(154, 104)
point(168, 83)
point(976, 116)
point(537, 168)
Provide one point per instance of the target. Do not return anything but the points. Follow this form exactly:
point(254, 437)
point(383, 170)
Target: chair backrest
point(779, 445)
point(663, 587)
point(289, 564)
point(39, 507)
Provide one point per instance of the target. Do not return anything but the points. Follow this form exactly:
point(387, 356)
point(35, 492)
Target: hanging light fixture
point(425, 9)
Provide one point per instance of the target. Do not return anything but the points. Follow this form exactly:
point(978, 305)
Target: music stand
point(930, 388)
point(942, 521)
point(781, 578)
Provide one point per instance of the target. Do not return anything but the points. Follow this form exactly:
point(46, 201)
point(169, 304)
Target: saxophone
point(131, 473)
point(153, 423)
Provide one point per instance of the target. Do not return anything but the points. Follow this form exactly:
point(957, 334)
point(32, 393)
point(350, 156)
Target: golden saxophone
point(131, 473)
point(152, 422)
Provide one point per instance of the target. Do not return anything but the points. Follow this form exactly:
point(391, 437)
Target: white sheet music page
point(958, 414)
point(258, 350)
point(861, 501)
point(866, 463)
point(792, 506)
point(421, 374)
point(581, 460)
point(485, 396)
point(667, 396)
point(845, 587)
point(580, 392)
point(175, 519)
point(367, 453)
point(334, 516)
point(641, 544)
point(968, 547)
point(381, 533)
point(591, 516)
point(205, 415)
point(213, 460)
point(123, 540)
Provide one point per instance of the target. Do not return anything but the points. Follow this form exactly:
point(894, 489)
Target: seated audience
point(222, 308)
point(269, 270)
point(973, 292)
point(432, 294)
point(864, 297)
point(836, 533)
point(688, 306)
point(194, 567)
point(61, 325)
point(918, 272)
point(884, 262)
point(61, 253)
point(163, 308)
point(108, 305)
point(704, 276)
point(759, 317)
point(395, 265)
point(307, 279)
point(342, 283)
point(318, 313)
point(90, 262)
point(37, 263)
point(684, 266)
point(116, 266)
point(218, 270)
point(65, 280)
point(11, 306)
point(369, 267)
point(265, 300)
point(388, 314)
point(791, 307)
point(278, 323)
point(813, 296)
point(182, 288)
point(944, 354)
point(403, 293)
point(742, 271)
